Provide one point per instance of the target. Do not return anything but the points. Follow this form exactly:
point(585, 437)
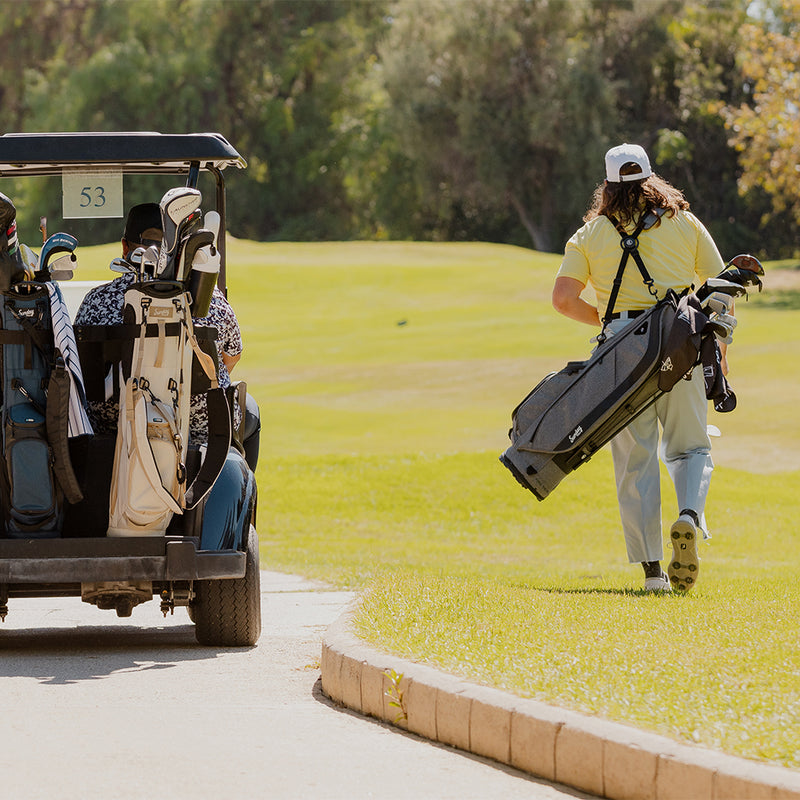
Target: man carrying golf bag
point(678, 253)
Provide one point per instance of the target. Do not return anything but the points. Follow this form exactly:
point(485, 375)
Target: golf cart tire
point(227, 613)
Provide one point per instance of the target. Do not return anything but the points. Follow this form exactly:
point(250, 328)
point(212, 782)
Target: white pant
point(685, 450)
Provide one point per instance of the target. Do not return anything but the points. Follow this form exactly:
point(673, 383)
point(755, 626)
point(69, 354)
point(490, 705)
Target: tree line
point(432, 119)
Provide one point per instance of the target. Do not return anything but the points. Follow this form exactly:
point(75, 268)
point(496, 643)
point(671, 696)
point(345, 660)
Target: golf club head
point(718, 303)
point(177, 205)
point(135, 260)
point(745, 270)
point(186, 230)
point(149, 262)
point(57, 243)
point(120, 265)
point(63, 268)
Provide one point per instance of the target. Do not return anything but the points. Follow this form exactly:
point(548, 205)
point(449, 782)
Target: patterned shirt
point(104, 304)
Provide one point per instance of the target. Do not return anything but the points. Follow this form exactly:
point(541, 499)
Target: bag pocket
point(149, 477)
point(33, 499)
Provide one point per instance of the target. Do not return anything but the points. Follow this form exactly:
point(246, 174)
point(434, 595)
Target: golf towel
point(64, 341)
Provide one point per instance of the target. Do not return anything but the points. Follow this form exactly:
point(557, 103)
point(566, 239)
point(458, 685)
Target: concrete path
point(99, 707)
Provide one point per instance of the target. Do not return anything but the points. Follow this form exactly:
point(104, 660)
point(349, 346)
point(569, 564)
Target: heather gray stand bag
point(571, 414)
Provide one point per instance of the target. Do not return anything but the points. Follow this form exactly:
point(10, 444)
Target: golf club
point(63, 268)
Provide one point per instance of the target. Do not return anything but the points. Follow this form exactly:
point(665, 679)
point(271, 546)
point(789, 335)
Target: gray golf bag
point(571, 414)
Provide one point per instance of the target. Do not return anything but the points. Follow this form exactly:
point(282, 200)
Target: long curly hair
point(628, 201)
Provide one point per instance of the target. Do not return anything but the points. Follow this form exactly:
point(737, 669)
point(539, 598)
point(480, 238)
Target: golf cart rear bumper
point(158, 559)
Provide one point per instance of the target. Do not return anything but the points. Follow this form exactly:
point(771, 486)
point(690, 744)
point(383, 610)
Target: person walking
point(678, 253)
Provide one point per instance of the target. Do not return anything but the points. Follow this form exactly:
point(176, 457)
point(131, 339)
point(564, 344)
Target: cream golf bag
point(148, 483)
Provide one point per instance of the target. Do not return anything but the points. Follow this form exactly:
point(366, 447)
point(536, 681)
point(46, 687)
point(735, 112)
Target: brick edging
point(604, 758)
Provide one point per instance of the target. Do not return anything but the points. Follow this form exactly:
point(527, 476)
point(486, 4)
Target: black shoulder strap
point(219, 442)
point(630, 248)
point(57, 416)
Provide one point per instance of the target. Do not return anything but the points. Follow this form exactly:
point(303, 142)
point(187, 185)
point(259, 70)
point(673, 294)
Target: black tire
point(227, 613)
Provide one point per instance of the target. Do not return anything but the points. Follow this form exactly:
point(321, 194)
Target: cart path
point(96, 706)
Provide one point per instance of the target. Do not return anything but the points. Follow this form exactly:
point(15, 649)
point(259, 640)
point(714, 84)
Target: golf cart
point(207, 558)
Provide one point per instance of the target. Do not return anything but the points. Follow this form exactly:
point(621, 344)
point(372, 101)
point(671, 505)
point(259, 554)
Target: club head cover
point(194, 243)
point(8, 212)
point(176, 206)
point(722, 285)
point(747, 262)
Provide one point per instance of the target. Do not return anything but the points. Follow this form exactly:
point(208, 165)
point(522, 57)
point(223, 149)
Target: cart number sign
point(91, 194)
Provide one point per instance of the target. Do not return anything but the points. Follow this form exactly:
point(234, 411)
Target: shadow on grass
point(608, 591)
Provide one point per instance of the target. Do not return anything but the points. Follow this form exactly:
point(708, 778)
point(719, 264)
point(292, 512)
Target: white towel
point(64, 340)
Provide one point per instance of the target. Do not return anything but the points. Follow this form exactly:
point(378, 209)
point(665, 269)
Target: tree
point(765, 127)
point(500, 108)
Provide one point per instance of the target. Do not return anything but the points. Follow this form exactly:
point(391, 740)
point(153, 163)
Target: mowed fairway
point(386, 374)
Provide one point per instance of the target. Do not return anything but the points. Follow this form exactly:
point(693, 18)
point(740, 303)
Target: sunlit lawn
point(386, 373)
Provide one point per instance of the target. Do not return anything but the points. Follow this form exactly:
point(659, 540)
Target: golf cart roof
point(127, 152)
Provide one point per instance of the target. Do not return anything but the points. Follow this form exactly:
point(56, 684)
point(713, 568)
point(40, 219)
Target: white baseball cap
point(617, 157)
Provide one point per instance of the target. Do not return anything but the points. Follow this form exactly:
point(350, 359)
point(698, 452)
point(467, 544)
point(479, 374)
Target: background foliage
point(431, 119)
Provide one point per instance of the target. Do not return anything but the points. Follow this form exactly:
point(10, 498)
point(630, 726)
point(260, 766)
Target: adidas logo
point(666, 365)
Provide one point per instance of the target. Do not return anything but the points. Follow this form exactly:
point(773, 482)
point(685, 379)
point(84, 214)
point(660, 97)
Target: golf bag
point(572, 413)
point(42, 400)
point(148, 483)
point(37, 475)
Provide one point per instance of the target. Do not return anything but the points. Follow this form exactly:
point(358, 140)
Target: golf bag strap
point(57, 424)
point(102, 345)
point(126, 330)
point(630, 248)
point(205, 360)
point(219, 442)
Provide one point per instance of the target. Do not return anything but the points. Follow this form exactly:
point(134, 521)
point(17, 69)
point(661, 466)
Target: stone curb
point(596, 756)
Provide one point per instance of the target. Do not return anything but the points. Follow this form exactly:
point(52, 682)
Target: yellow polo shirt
point(678, 253)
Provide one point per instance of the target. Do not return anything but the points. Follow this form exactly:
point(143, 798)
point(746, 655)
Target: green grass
point(386, 373)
